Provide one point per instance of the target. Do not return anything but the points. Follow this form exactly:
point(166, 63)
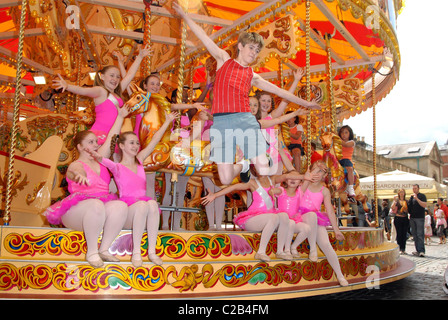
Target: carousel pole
point(180, 74)
point(330, 85)
point(180, 87)
point(146, 65)
point(375, 202)
point(12, 147)
point(308, 83)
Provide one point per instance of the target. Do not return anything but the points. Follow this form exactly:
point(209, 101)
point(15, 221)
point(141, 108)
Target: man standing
point(417, 205)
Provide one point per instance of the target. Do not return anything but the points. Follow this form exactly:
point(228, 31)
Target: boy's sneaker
point(351, 191)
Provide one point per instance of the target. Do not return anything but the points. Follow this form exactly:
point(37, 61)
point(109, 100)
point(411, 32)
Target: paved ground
point(424, 284)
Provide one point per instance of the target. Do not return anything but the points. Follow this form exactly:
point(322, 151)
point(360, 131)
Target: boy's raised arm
point(262, 84)
point(220, 55)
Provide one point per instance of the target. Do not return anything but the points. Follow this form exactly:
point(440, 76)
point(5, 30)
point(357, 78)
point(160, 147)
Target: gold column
point(12, 148)
point(147, 39)
point(330, 85)
point(180, 74)
point(308, 83)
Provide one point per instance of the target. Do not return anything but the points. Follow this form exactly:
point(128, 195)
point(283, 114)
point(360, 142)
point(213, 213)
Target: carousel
point(350, 55)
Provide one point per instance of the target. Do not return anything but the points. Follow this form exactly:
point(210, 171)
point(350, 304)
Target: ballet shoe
point(343, 282)
point(295, 254)
point(313, 256)
point(262, 257)
point(136, 260)
point(155, 259)
point(95, 260)
point(284, 256)
point(106, 256)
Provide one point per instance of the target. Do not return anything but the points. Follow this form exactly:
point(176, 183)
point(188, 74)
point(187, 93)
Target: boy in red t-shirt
point(233, 124)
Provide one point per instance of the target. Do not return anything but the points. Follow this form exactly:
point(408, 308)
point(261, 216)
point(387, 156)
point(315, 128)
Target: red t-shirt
point(231, 88)
point(445, 210)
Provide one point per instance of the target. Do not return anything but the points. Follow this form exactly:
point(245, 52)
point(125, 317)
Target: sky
point(416, 108)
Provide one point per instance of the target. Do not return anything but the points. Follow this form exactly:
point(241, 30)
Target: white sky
point(416, 108)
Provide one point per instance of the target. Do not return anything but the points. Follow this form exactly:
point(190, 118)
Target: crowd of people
point(406, 218)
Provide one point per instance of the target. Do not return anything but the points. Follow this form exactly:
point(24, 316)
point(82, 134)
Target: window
point(413, 149)
point(384, 152)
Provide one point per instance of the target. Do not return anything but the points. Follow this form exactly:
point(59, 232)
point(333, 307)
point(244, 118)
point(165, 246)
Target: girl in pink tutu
point(106, 93)
point(288, 200)
point(313, 195)
point(90, 207)
point(261, 216)
point(129, 175)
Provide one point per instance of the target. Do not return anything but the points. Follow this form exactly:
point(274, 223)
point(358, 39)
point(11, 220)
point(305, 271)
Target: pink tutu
point(241, 218)
point(262, 203)
point(296, 218)
point(58, 209)
point(322, 217)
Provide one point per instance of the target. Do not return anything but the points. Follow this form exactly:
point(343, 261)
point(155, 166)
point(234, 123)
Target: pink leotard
point(131, 186)
point(312, 202)
point(105, 115)
point(98, 189)
point(262, 203)
point(290, 205)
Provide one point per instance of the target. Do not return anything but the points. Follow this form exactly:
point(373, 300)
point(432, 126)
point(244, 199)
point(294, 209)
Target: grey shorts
point(232, 129)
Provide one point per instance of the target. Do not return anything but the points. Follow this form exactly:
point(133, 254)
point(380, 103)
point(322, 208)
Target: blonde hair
point(98, 82)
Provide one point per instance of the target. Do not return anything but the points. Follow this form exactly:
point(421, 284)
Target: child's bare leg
point(350, 175)
point(228, 171)
point(296, 155)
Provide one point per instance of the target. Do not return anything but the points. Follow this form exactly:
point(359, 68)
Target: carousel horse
point(152, 107)
point(172, 152)
point(332, 147)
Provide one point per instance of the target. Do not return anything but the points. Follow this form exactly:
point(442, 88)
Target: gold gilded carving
point(43, 127)
point(30, 198)
point(17, 185)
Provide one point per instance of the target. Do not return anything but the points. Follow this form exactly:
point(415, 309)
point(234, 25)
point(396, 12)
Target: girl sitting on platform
point(261, 216)
point(288, 198)
point(90, 207)
point(106, 93)
point(130, 178)
point(313, 195)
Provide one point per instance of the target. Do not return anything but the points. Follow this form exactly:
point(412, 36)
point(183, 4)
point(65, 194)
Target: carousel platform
point(48, 263)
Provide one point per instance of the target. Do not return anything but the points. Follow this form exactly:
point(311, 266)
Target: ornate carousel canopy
point(353, 40)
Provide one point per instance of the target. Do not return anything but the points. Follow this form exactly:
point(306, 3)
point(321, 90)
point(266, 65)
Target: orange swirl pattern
point(174, 246)
point(53, 242)
point(65, 278)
